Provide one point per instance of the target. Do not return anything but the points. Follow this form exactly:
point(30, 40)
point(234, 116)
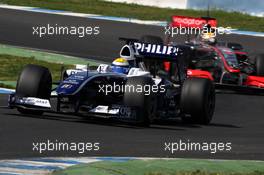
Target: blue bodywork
point(71, 84)
point(75, 82)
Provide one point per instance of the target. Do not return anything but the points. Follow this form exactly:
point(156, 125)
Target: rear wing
point(192, 22)
point(158, 53)
point(153, 51)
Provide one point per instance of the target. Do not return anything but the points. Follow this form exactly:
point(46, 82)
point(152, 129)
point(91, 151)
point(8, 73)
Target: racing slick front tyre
point(198, 100)
point(144, 103)
point(34, 81)
point(260, 65)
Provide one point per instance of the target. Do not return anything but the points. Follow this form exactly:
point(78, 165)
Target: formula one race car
point(144, 94)
point(227, 68)
point(224, 63)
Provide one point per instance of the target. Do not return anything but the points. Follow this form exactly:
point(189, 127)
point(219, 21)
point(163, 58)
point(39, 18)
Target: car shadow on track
point(94, 121)
point(179, 123)
point(176, 125)
point(224, 125)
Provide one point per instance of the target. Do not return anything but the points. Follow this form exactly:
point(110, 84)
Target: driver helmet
point(208, 34)
point(120, 65)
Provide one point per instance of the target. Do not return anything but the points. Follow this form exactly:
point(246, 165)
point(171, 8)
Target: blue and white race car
point(134, 88)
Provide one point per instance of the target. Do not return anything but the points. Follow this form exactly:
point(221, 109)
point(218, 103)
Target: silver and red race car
point(225, 63)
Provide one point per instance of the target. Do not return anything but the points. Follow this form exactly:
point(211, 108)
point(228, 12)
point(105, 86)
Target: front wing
point(36, 104)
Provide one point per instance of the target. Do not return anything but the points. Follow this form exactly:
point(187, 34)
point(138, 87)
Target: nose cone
point(71, 84)
point(67, 89)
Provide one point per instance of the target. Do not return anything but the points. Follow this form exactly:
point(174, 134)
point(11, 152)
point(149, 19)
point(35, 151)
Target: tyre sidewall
point(198, 99)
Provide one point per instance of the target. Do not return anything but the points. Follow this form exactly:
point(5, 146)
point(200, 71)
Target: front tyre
point(34, 81)
point(198, 100)
point(260, 65)
point(145, 104)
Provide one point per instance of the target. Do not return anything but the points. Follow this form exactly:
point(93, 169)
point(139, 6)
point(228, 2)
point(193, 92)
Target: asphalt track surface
point(238, 118)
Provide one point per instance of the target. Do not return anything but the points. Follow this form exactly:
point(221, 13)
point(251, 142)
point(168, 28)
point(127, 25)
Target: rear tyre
point(198, 100)
point(146, 104)
point(260, 65)
point(34, 81)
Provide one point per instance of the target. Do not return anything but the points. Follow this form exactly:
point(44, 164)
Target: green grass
point(11, 67)
point(167, 167)
point(225, 19)
point(45, 56)
point(13, 60)
point(4, 85)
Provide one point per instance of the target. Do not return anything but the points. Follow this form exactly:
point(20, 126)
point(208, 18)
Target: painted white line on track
point(8, 170)
point(6, 91)
point(41, 165)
